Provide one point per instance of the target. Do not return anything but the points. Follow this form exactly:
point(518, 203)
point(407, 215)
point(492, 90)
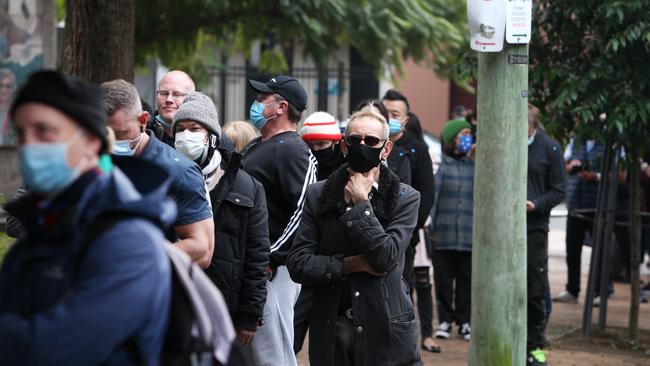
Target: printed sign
point(518, 19)
point(487, 23)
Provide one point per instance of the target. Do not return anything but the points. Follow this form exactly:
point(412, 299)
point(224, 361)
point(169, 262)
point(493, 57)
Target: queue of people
point(304, 228)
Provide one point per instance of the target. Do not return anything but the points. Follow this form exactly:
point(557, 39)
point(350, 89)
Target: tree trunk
point(499, 238)
point(635, 244)
point(99, 39)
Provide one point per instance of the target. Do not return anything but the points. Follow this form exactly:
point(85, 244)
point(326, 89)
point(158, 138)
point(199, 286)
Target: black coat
point(380, 230)
point(400, 163)
point(241, 248)
point(421, 176)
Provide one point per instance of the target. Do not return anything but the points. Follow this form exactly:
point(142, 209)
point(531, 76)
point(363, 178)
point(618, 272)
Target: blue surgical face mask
point(45, 168)
point(123, 147)
point(465, 144)
point(394, 126)
point(256, 114)
point(531, 139)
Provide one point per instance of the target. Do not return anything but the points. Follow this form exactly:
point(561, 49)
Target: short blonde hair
point(240, 133)
point(367, 112)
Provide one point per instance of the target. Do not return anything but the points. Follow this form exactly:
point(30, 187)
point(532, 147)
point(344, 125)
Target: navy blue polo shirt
point(187, 187)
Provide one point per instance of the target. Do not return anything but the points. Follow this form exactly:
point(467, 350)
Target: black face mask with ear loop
point(363, 158)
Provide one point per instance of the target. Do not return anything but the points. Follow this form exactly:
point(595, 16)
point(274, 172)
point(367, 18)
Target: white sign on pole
point(518, 19)
point(487, 23)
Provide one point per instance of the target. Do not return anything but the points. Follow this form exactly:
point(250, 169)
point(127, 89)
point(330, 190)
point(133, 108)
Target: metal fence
point(330, 91)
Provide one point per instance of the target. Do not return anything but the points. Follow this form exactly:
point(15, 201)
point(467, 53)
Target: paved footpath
point(564, 319)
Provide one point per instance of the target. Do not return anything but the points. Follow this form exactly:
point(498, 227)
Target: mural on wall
point(21, 53)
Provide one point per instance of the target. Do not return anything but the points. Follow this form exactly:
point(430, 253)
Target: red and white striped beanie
point(320, 126)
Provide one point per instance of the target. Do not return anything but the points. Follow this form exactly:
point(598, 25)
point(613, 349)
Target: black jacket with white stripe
point(285, 167)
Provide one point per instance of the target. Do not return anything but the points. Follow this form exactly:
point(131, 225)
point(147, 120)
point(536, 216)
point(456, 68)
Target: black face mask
point(327, 156)
point(363, 158)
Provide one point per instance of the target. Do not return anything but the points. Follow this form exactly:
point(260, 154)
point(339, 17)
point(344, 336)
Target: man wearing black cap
point(282, 162)
point(90, 279)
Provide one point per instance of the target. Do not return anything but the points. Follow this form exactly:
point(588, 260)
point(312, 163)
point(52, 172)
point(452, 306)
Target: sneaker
point(565, 297)
point(536, 357)
point(465, 331)
point(444, 330)
point(596, 301)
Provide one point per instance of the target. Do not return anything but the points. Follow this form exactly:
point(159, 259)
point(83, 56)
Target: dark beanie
point(77, 98)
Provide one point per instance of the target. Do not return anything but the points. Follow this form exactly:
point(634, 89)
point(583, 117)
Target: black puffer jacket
point(241, 249)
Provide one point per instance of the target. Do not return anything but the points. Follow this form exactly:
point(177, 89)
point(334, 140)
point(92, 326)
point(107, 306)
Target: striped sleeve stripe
point(310, 178)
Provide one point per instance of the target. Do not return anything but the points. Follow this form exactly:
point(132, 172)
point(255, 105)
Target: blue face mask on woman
point(45, 168)
point(256, 114)
point(394, 126)
point(465, 144)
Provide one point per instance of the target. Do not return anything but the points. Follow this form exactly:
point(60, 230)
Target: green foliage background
point(590, 60)
point(188, 33)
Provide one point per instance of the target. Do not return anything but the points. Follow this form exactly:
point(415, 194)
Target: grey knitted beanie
point(199, 108)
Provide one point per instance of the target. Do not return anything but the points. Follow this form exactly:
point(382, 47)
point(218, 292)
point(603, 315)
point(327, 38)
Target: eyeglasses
point(164, 94)
point(355, 140)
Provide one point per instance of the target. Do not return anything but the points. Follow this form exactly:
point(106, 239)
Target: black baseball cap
point(289, 88)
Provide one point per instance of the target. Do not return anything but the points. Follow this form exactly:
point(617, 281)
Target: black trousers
point(301, 314)
point(407, 273)
point(454, 302)
point(537, 287)
point(344, 342)
point(576, 230)
point(425, 301)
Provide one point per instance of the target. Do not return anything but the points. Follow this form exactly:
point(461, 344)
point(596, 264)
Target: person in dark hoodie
point(90, 281)
point(421, 168)
point(240, 258)
point(546, 185)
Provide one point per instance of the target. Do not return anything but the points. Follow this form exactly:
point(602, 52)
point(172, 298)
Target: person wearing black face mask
point(321, 133)
point(350, 249)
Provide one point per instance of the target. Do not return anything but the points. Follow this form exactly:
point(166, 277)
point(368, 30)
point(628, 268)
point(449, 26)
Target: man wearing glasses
point(350, 248)
point(172, 89)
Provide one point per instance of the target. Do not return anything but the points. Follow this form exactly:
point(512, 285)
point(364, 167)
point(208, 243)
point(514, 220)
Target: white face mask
point(191, 144)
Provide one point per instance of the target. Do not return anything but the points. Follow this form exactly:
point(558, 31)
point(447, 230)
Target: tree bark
point(499, 237)
point(635, 244)
point(99, 40)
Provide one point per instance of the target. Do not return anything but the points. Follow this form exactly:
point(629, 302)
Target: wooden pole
point(499, 238)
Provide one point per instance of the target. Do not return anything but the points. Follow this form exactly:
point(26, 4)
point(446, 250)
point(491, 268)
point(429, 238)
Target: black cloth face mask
point(363, 158)
point(327, 156)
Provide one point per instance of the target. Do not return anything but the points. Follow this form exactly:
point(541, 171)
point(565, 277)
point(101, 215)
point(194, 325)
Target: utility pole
point(499, 238)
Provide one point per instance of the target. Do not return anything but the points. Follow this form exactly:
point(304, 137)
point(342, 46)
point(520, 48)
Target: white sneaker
point(565, 297)
point(443, 330)
point(465, 331)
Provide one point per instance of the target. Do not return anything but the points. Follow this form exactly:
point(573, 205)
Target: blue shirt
point(187, 187)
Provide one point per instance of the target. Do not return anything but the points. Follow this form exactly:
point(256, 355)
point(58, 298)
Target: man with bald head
point(172, 89)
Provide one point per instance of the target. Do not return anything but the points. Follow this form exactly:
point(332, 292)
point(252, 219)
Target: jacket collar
point(383, 200)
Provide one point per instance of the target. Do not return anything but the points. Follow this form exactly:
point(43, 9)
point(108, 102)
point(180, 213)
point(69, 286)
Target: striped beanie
point(320, 126)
